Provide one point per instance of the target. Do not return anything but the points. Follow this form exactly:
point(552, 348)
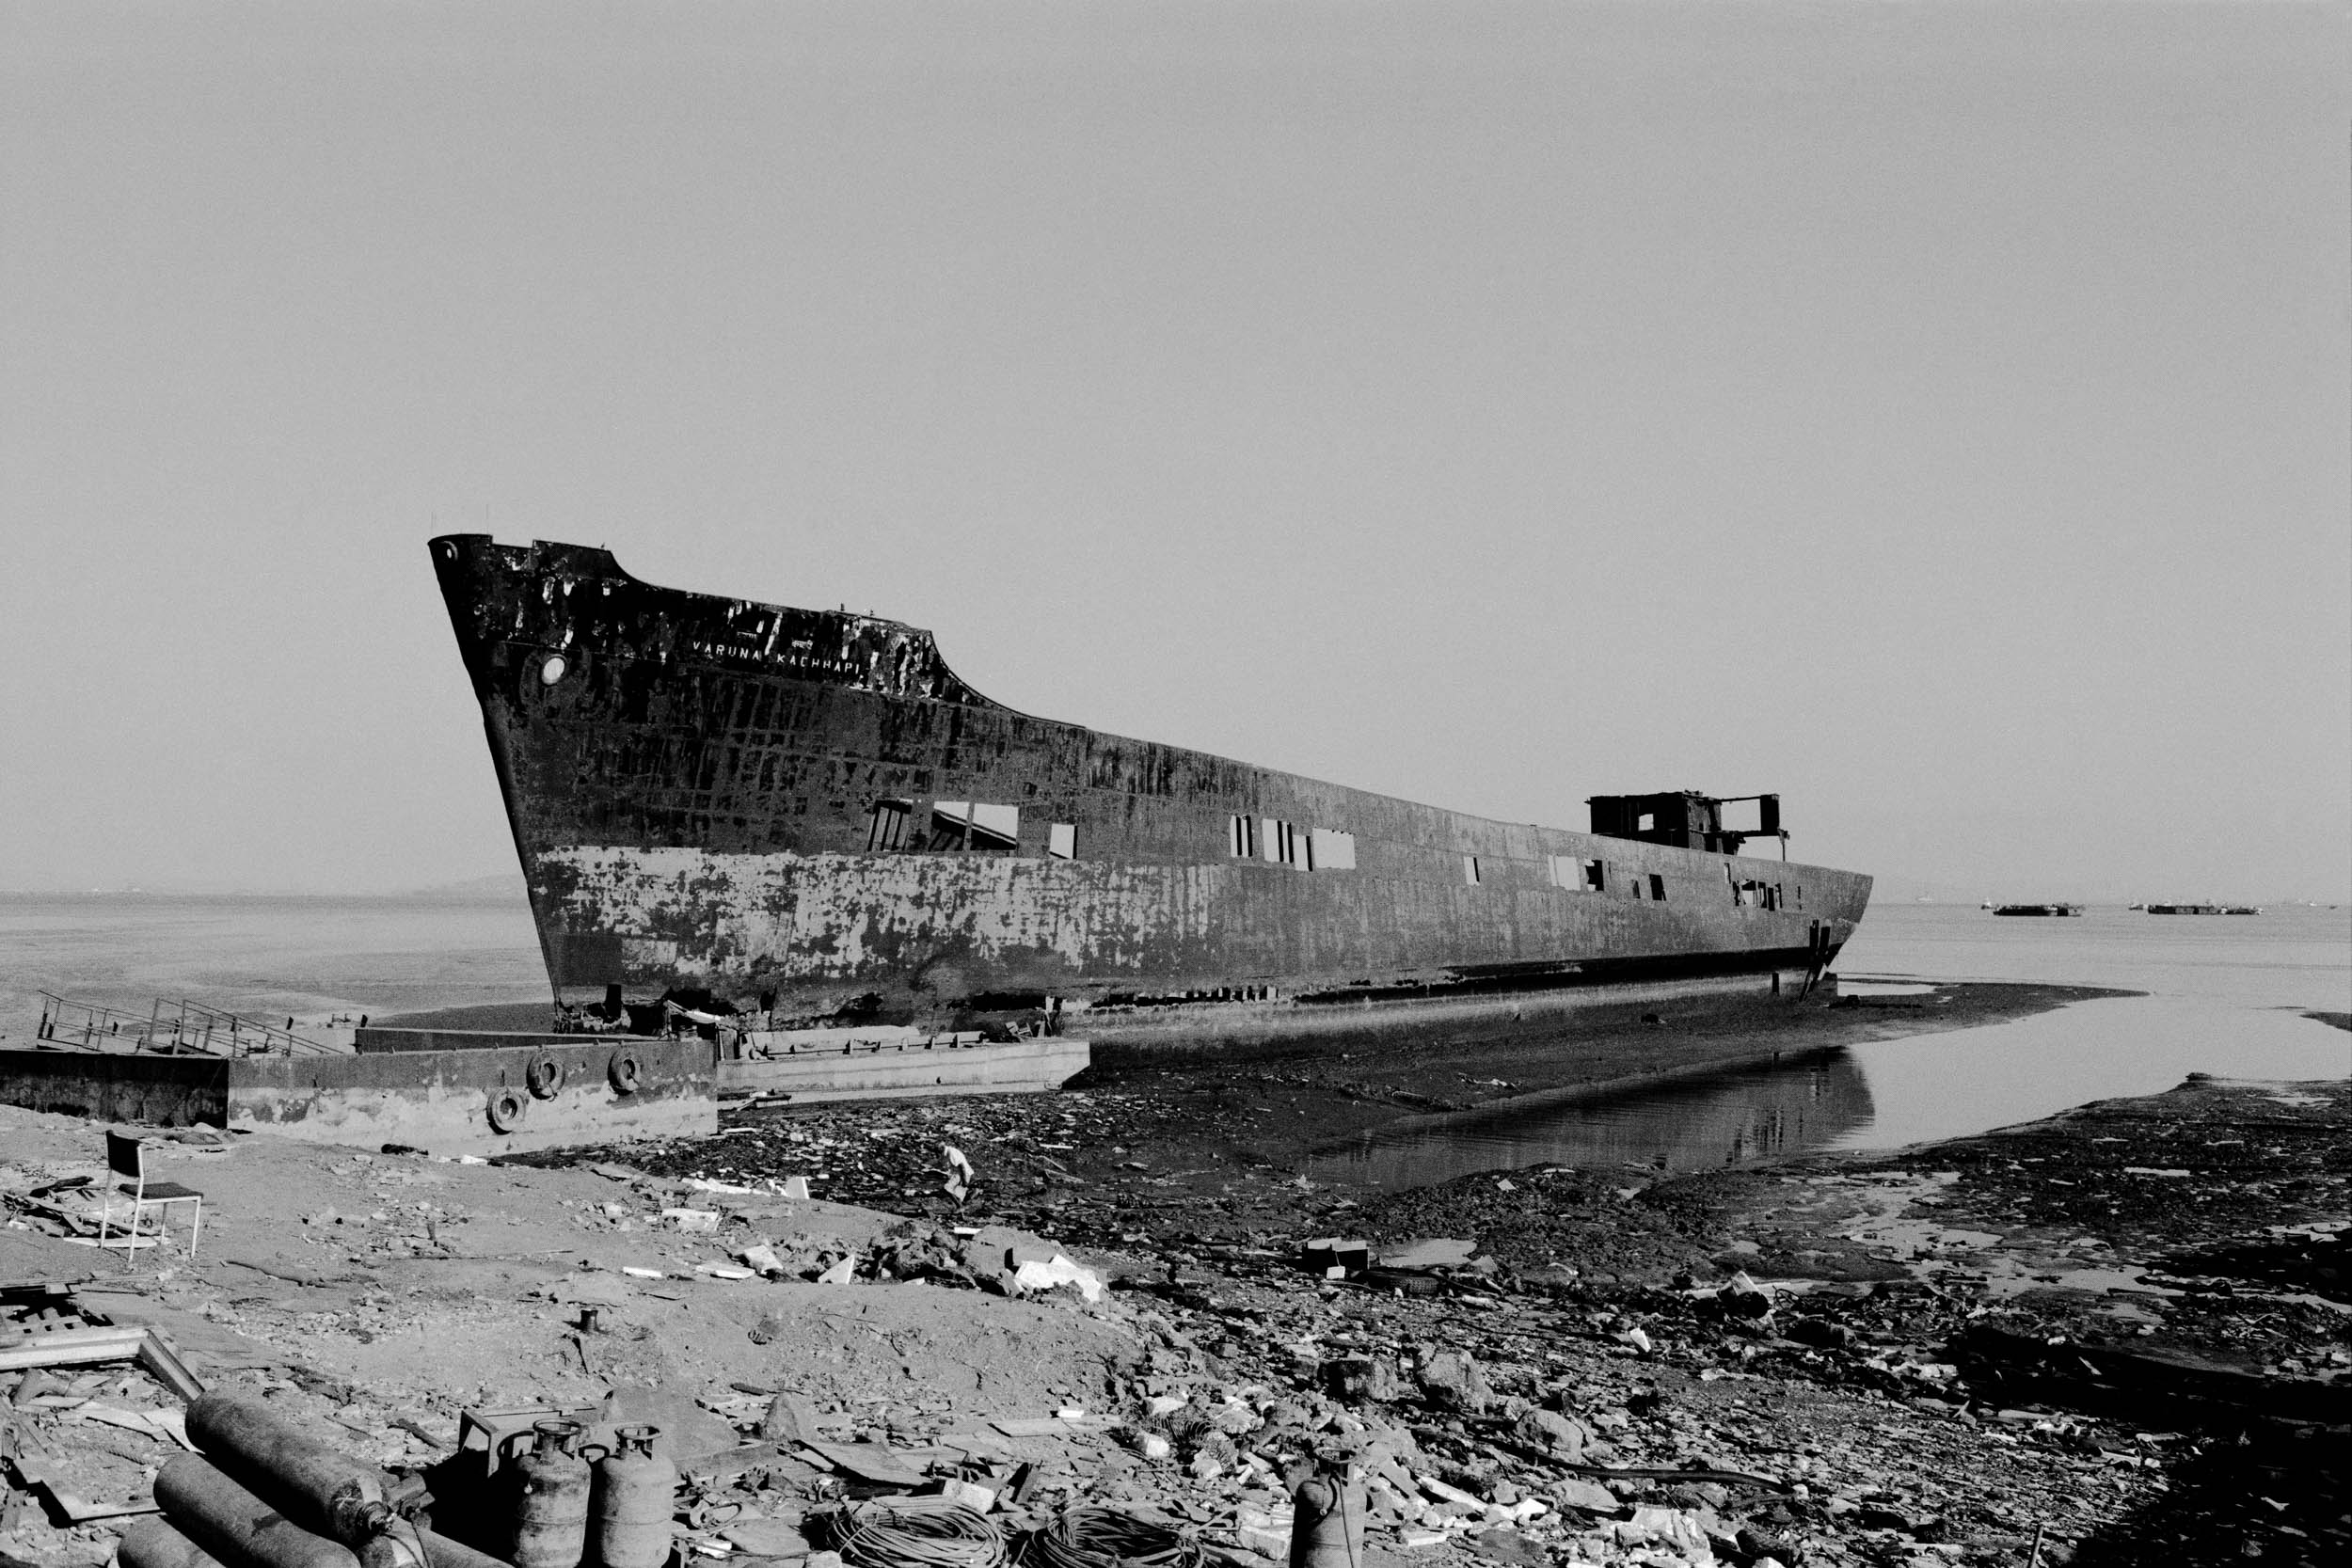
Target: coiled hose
point(1101, 1538)
point(873, 1535)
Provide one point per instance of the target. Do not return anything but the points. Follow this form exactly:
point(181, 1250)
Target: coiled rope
point(873, 1535)
point(1101, 1538)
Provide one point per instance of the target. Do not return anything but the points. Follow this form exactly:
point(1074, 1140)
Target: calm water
point(304, 957)
point(2225, 995)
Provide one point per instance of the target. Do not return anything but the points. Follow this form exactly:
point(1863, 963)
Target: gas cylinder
point(325, 1491)
point(152, 1542)
point(232, 1525)
point(1327, 1520)
point(404, 1545)
point(636, 1493)
point(551, 1499)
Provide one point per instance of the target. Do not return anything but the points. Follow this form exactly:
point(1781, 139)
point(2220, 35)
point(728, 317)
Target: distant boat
point(2075, 909)
point(2204, 909)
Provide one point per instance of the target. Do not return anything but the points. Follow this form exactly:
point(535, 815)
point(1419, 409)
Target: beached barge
point(463, 1096)
point(801, 819)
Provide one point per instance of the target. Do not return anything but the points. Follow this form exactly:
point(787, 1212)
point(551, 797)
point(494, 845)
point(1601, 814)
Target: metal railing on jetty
point(183, 1029)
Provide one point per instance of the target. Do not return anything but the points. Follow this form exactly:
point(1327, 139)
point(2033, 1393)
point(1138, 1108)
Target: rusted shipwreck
point(799, 817)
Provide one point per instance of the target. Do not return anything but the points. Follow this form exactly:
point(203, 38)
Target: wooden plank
point(74, 1347)
point(866, 1461)
point(82, 1511)
point(159, 1357)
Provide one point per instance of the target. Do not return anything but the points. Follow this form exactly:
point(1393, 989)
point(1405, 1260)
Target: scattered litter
point(1033, 1276)
point(1434, 1253)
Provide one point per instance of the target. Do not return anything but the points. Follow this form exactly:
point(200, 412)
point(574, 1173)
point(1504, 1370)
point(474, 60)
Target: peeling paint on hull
point(707, 792)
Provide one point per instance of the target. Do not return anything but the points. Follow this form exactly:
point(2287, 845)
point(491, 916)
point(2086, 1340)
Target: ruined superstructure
point(806, 814)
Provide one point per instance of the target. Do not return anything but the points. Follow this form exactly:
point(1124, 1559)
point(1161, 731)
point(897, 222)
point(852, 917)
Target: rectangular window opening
point(1595, 877)
point(974, 825)
point(1061, 841)
point(1242, 838)
point(1469, 869)
point(1657, 888)
point(886, 826)
point(1332, 850)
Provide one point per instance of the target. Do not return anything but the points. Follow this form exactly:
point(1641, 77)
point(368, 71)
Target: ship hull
point(803, 813)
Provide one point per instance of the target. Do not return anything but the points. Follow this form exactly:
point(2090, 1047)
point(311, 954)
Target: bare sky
point(1936, 414)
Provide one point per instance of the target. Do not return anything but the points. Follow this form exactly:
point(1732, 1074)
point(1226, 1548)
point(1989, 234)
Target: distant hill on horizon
point(507, 887)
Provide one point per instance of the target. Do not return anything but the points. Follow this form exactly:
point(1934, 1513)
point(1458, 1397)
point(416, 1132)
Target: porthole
point(552, 669)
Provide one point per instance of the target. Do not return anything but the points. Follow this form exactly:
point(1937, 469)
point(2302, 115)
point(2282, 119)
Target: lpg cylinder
point(155, 1542)
point(1327, 1520)
point(404, 1545)
point(636, 1494)
point(552, 1499)
point(233, 1526)
point(329, 1492)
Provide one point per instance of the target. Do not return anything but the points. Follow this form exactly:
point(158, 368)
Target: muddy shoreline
point(1227, 1139)
point(2117, 1336)
point(2033, 1292)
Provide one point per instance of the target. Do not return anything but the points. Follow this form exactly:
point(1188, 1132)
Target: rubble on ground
point(1815, 1363)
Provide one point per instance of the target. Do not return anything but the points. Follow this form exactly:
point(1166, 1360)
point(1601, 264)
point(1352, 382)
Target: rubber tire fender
point(507, 1108)
point(626, 1071)
point(544, 1075)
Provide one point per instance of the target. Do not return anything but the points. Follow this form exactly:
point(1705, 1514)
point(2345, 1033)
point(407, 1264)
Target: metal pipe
point(457, 1554)
point(325, 1490)
point(236, 1526)
point(401, 1546)
point(156, 1544)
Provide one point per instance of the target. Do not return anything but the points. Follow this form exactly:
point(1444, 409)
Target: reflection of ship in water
point(1689, 1124)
